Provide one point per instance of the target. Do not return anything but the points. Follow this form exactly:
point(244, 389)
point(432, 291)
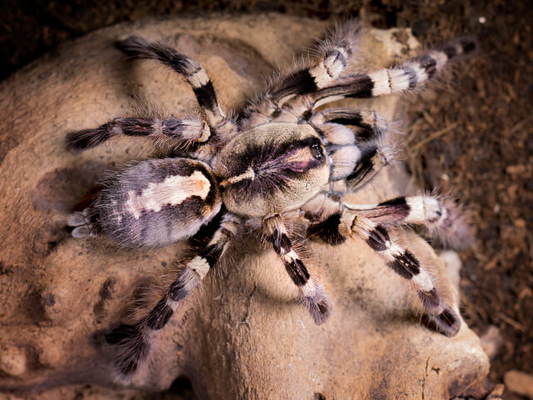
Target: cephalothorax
point(282, 159)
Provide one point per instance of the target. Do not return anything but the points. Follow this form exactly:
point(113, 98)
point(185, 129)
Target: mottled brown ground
point(475, 138)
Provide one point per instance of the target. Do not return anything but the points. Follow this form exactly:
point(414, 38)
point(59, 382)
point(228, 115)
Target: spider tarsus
point(133, 46)
point(76, 142)
point(319, 306)
point(454, 231)
point(447, 322)
point(132, 348)
point(462, 46)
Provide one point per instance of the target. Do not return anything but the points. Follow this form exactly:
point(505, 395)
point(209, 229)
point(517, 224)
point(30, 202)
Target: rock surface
point(242, 335)
point(519, 382)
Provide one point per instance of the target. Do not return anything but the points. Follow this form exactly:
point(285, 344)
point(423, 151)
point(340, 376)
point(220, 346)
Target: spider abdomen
point(272, 168)
point(157, 202)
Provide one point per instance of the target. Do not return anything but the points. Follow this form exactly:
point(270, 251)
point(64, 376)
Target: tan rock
point(491, 341)
point(242, 335)
point(12, 361)
point(519, 382)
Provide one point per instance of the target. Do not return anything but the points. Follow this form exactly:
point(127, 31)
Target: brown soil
point(474, 137)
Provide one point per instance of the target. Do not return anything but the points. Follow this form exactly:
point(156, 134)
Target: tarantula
point(281, 159)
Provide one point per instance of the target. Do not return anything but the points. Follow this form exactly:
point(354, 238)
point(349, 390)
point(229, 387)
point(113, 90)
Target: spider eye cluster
point(316, 151)
point(300, 156)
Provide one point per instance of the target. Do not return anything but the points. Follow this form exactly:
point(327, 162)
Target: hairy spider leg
point(406, 77)
point(339, 226)
point(311, 292)
point(181, 133)
point(366, 125)
point(133, 342)
point(356, 155)
point(437, 215)
point(138, 48)
point(334, 54)
point(419, 210)
point(440, 216)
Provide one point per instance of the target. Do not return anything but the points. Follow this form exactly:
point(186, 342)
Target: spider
point(282, 159)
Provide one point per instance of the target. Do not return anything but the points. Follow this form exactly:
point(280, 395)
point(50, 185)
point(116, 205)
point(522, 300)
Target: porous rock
point(242, 335)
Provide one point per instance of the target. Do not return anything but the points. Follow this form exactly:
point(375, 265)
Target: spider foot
point(81, 224)
point(316, 301)
point(132, 348)
point(453, 230)
point(447, 322)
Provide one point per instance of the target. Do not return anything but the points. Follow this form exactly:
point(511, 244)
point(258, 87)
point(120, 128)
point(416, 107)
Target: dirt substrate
point(473, 135)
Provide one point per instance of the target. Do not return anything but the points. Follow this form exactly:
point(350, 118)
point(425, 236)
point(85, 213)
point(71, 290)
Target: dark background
point(480, 122)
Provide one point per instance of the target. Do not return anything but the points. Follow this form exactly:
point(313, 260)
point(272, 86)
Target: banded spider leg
point(185, 134)
point(311, 293)
point(371, 224)
point(133, 341)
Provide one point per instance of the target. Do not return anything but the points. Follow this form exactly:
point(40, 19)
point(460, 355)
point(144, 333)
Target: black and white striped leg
point(138, 48)
point(419, 210)
point(440, 216)
point(312, 294)
point(365, 124)
point(374, 157)
point(405, 264)
point(404, 78)
point(182, 133)
point(334, 53)
point(357, 163)
point(133, 341)
point(337, 227)
point(353, 159)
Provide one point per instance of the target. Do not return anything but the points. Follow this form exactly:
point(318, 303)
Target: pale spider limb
point(311, 293)
point(438, 214)
point(341, 225)
point(138, 48)
point(374, 157)
point(421, 210)
point(334, 54)
point(181, 133)
point(133, 341)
